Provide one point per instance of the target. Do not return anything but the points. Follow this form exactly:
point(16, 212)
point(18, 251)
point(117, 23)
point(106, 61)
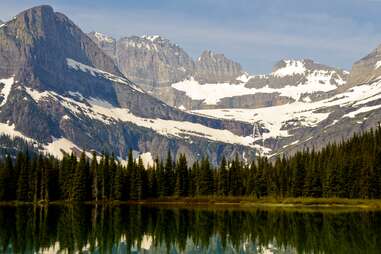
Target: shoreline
point(221, 202)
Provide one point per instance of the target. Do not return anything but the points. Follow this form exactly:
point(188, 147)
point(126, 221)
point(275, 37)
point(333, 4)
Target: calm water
point(136, 229)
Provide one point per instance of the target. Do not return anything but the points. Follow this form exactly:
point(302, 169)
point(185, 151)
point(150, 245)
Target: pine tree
point(181, 177)
point(170, 181)
point(223, 178)
point(22, 165)
point(80, 181)
point(206, 178)
point(118, 183)
point(94, 178)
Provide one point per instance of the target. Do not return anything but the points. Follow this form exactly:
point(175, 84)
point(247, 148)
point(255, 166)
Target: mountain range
point(68, 91)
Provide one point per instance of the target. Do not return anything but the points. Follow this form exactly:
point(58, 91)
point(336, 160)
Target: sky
point(255, 33)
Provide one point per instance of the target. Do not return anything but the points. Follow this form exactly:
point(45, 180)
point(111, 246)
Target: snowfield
point(275, 119)
point(103, 111)
point(211, 94)
point(99, 73)
point(8, 83)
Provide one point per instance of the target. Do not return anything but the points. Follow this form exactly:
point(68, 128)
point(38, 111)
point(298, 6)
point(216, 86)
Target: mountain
point(368, 69)
point(214, 81)
point(60, 90)
point(299, 104)
point(64, 90)
point(325, 108)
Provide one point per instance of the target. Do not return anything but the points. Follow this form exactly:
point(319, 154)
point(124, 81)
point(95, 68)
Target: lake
point(142, 229)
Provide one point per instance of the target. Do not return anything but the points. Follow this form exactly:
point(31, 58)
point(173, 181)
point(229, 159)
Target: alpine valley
point(66, 91)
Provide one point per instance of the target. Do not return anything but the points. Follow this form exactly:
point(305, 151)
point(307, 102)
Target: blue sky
point(256, 33)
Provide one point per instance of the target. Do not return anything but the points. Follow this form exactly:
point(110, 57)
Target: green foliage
point(351, 169)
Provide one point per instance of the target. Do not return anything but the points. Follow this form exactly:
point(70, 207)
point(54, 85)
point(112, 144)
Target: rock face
point(154, 62)
point(367, 69)
point(216, 68)
point(59, 89)
point(106, 43)
point(150, 61)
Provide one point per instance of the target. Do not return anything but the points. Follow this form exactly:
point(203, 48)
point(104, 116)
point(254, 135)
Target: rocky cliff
point(216, 68)
point(60, 90)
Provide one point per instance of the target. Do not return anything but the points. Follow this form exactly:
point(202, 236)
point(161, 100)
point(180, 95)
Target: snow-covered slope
point(285, 122)
point(292, 80)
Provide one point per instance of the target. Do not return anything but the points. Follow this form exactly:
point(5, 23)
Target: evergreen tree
point(80, 181)
point(94, 178)
point(223, 179)
point(22, 166)
point(181, 177)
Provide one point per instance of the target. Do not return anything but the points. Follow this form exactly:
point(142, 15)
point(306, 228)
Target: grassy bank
point(245, 202)
point(269, 201)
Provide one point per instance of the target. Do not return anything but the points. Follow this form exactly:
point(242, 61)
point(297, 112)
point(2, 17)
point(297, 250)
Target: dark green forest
point(351, 169)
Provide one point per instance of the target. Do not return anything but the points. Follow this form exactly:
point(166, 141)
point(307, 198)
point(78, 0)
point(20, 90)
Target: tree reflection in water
point(132, 229)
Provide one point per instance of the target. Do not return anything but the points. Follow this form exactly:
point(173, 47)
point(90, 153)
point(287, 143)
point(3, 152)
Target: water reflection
point(136, 229)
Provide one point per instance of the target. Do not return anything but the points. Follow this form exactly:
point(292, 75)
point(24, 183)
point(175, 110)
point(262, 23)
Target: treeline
point(351, 169)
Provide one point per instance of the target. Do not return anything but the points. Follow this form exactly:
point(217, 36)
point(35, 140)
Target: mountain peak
point(152, 38)
point(289, 67)
point(208, 54)
point(39, 9)
point(214, 67)
point(102, 37)
point(37, 14)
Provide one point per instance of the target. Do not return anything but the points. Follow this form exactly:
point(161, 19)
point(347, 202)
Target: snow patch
point(104, 111)
point(103, 37)
point(291, 144)
point(66, 117)
point(353, 114)
point(147, 159)
point(378, 65)
point(60, 146)
point(99, 73)
point(151, 37)
point(166, 127)
point(292, 67)
point(10, 131)
point(244, 78)
point(211, 94)
point(36, 95)
point(8, 83)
